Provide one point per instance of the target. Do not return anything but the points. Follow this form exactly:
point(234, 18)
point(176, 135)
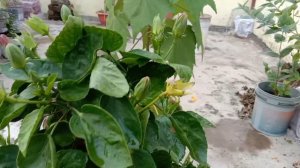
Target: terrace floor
point(229, 64)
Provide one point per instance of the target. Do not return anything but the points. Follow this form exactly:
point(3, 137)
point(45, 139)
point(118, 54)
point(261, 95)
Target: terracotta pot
point(102, 18)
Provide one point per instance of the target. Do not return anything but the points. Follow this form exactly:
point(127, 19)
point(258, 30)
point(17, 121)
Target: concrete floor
point(229, 64)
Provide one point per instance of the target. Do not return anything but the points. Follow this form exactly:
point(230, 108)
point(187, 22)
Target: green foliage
point(280, 17)
point(79, 108)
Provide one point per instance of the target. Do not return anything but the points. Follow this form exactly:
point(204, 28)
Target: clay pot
point(102, 17)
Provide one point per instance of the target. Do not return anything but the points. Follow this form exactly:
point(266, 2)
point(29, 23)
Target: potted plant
point(276, 100)
point(3, 21)
point(80, 109)
point(102, 16)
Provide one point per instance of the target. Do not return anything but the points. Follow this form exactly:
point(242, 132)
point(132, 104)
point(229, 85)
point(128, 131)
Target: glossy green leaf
point(42, 153)
point(70, 90)
point(30, 92)
point(106, 148)
point(71, 159)
point(161, 136)
point(62, 135)
point(66, 40)
point(44, 68)
point(173, 51)
point(8, 156)
point(29, 125)
point(12, 73)
point(113, 40)
point(203, 121)
point(38, 25)
point(124, 113)
point(190, 132)
point(80, 60)
point(10, 112)
point(108, 79)
point(142, 159)
point(76, 127)
point(184, 72)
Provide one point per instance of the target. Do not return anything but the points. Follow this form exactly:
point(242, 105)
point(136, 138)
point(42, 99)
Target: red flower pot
point(102, 18)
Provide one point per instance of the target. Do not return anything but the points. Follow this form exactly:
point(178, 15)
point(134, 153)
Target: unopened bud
point(141, 89)
point(15, 56)
point(158, 28)
point(180, 25)
point(65, 12)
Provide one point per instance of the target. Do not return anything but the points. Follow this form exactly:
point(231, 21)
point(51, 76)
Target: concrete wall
point(82, 7)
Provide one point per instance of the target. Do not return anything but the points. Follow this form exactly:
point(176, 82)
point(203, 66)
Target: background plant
point(116, 109)
point(281, 18)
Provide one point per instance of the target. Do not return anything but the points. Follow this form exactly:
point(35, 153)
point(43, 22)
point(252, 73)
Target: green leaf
point(161, 136)
point(272, 54)
point(113, 40)
point(38, 25)
point(279, 38)
point(42, 153)
point(105, 146)
point(66, 40)
point(12, 73)
point(272, 30)
point(79, 61)
point(108, 79)
point(118, 22)
point(50, 83)
point(203, 121)
point(142, 159)
point(62, 135)
point(173, 51)
point(8, 156)
point(30, 92)
point(142, 12)
point(142, 54)
point(70, 90)
point(71, 159)
point(286, 51)
point(124, 113)
point(44, 68)
point(184, 72)
point(190, 132)
point(65, 12)
point(76, 127)
point(2, 141)
point(10, 112)
point(28, 41)
point(29, 125)
point(285, 19)
point(2, 93)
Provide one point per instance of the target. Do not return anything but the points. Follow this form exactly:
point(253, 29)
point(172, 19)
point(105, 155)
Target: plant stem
point(8, 134)
point(139, 39)
point(152, 102)
point(60, 119)
point(279, 66)
point(170, 49)
point(14, 100)
point(117, 63)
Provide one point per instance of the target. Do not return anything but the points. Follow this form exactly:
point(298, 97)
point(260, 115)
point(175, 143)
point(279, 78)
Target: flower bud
point(65, 12)
point(180, 25)
point(38, 25)
point(2, 93)
point(141, 89)
point(15, 56)
point(158, 28)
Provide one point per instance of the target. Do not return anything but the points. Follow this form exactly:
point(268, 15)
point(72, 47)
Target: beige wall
point(82, 7)
point(90, 7)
